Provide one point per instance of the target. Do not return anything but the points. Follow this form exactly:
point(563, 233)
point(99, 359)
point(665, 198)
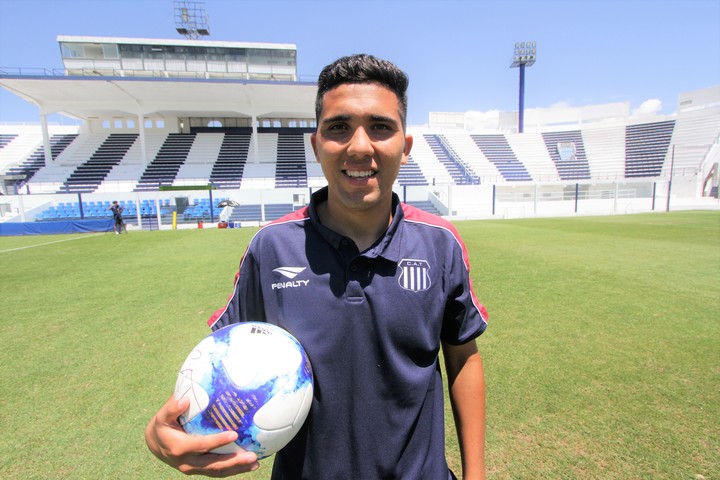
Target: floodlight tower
point(191, 19)
point(525, 55)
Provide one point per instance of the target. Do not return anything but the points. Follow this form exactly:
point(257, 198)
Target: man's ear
point(313, 142)
point(406, 150)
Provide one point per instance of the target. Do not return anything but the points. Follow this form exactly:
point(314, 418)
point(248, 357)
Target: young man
point(385, 286)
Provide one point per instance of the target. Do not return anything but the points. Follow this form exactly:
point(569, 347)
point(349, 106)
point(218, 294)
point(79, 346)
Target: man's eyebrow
point(383, 119)
point(336, 118)
point(373, 117)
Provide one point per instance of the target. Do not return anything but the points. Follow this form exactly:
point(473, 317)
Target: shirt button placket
point(354, 292)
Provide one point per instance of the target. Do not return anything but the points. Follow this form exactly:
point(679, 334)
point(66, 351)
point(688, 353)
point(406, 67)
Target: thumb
point(174, 408)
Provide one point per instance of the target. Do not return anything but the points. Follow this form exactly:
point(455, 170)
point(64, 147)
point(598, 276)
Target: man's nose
point(360, 144)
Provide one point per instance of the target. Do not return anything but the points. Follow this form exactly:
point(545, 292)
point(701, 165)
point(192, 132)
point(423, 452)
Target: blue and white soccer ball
point(253, 378)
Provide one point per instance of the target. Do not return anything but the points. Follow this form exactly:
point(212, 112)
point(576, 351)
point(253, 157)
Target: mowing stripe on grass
point(50, 243)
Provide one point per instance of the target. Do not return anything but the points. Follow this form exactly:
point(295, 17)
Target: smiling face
point(360, 144)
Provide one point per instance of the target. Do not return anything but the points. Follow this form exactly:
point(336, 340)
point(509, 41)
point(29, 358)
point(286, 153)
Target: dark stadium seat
point(410, 174)
point(88, 176)
point(6, 139)
point(31, 165)
point(646, 146)
point(569, 167)
point(163, 169)
point(229, 166)
point(290, 168)
point(497, 149)
point(458, 170)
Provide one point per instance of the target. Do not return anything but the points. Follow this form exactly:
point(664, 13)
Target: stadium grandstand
point(171, 128)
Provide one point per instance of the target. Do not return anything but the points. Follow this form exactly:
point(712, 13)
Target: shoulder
point(297, 217)
point(435, 231)
point(425, 220)
point(282, 226)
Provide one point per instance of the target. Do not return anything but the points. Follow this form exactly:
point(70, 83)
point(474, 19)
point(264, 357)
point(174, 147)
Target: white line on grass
point(50, 243)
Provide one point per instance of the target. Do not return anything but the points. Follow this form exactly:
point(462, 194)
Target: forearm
point(466, 381)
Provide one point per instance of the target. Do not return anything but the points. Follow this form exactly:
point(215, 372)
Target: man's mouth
point(360, 174)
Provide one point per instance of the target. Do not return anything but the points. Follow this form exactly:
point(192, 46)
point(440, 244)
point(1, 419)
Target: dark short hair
point(363, 68)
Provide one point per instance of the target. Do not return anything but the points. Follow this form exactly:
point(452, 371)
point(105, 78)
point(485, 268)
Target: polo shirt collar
point(387, 247)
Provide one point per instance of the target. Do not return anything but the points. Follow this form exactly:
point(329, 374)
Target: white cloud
point(481, 120)
point(648, 107)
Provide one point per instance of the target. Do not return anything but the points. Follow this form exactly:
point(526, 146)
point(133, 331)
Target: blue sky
point(456, 52)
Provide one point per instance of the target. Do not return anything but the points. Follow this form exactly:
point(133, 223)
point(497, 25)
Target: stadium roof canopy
point(110, 77)
point(113, 77)
point(86, 97)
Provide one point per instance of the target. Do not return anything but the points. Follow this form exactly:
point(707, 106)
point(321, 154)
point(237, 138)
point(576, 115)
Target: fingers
point(197, 459)
point(192, 454)
point(208, 443)
point(221, 465)
point(217, 466)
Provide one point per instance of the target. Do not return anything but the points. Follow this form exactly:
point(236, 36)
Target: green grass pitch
point(602, 357)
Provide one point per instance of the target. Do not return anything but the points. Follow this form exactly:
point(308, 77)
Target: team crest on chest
point(414, 275)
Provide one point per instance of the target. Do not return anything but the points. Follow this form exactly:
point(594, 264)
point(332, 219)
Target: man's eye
point(337, 126)
point(381, 126)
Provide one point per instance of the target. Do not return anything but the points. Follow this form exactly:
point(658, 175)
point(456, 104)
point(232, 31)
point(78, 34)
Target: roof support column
point(256, 149)
point(46, 139)
point(141, 131)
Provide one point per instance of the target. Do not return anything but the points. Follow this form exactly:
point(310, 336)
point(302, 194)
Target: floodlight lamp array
point(525, 54)
point(191, 19)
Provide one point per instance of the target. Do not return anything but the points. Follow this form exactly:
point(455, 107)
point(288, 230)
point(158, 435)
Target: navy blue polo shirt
point(371, 323)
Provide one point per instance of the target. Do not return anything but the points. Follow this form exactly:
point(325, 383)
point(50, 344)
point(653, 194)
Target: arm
point(466, 383)
point(167, 440)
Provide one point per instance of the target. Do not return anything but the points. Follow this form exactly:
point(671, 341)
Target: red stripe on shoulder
point(300, 214)
point(416, 215)
point(218, 313)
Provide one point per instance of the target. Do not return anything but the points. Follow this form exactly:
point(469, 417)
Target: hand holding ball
point(253, 378)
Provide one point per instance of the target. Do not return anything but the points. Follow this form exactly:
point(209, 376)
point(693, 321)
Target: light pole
point(672, 167)
point(525, 55)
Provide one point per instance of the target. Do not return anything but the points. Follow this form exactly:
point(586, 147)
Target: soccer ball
point(253, 378)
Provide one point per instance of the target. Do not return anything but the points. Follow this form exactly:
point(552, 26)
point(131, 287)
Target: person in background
point(385, 288)
point(117, 210)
